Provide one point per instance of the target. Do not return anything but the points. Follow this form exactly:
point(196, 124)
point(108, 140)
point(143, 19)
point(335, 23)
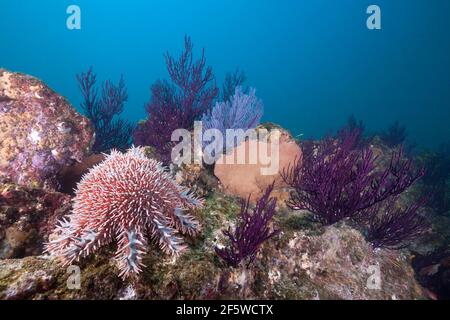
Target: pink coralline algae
point(128, 197)
point(40, 132)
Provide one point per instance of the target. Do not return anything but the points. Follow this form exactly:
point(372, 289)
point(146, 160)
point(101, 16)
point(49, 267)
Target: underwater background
point(313, 63)
point(354, 202)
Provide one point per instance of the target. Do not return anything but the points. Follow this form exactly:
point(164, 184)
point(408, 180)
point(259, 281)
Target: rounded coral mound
point(126, 198)
point(246, 178)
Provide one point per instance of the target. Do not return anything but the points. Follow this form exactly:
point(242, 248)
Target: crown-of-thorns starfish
point(126, 198)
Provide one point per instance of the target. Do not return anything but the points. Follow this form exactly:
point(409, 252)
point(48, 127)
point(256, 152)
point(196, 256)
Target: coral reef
point(178, 105)
point(252, 230)
point(127, 198)
point(110, 130)
point(333, 264)
point(124, 200)
point(40, 132)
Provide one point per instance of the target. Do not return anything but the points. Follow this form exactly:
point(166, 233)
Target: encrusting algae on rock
point(26, 217)
point(40, 132)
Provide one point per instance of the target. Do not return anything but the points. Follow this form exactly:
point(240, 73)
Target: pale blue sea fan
point(242, 111)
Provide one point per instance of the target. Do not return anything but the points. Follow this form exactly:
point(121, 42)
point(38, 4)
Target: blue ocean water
point(313, 62)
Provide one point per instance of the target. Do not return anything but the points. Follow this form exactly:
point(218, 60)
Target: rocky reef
point(301, 263)
point(40, 132)
point(304, 259)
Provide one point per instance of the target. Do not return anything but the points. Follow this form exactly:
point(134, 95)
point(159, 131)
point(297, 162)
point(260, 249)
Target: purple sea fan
point(243, 111)
point(390, 226)
point(252, 230)
point(232, 81)
point(164, 118)
point(127, 198)
point(194, 80)
point(178, 104)
point(337, 181)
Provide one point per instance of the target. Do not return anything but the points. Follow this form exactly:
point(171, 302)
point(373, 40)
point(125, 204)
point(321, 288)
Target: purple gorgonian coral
point(252, 229)
point(389, 225)
point(103, 111)
point(178, 104)
point(337, 180)
point(243, 111)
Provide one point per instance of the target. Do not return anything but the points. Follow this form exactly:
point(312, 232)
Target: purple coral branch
point(87, 85)
point(111, 132)
point(252, 230)
point(192, 78)
point(232, 81)
point(392, 227)
point(242, 111)
point(336, 181)
point(113, 99)
point(178, 105)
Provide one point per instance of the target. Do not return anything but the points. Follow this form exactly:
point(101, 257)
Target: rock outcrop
point(27, 216)
point(40, 132)
point(303, 262)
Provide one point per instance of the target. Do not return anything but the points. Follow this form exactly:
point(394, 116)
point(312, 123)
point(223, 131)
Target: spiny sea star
point(126, 198)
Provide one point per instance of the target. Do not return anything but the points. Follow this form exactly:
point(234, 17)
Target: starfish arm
point(131, 248)
point(167, 236)
point(73, 239)
point(189, 199)
point(63, 237)
point(185, 222)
